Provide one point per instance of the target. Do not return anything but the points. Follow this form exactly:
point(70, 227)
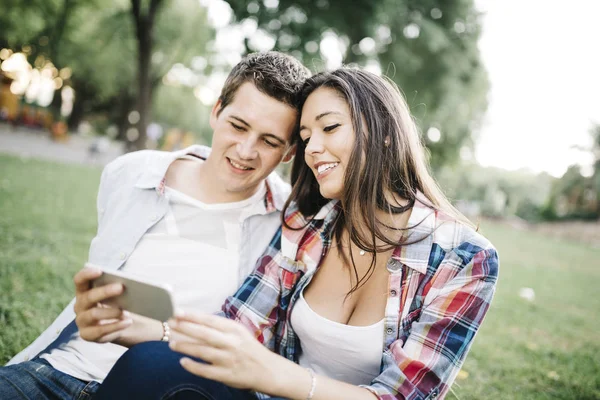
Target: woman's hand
point(232, 355)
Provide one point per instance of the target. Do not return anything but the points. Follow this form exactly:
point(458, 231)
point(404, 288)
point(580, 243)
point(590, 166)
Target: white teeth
point(238, 165)
point(324, 167)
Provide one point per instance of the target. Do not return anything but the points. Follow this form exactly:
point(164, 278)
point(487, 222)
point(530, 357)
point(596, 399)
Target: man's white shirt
point(195, 250)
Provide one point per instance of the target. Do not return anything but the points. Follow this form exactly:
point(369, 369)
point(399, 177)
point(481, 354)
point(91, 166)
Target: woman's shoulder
point(460, 238)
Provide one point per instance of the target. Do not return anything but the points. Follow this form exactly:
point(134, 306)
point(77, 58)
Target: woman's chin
point(329, 194)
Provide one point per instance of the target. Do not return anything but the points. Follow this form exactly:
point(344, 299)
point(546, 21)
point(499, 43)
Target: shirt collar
point(155, 171)
point(421, 225)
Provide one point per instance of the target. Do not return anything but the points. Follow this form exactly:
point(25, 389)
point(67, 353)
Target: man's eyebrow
point(241, 120)
point(318, 117)
point(270, 135)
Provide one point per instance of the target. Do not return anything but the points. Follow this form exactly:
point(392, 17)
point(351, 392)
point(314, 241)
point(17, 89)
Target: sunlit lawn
point(548, 348)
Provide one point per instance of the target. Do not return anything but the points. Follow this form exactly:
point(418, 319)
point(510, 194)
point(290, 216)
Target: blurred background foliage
point(145, 73)
point(136, 63)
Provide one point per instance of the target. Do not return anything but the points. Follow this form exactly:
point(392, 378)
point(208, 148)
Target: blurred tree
point(575, 195)
point(428, 47)
point(97, 40)
point(144, 16)
point(177, 106)
point(110, 68)
point(35, 22)
point(497, 192)
point(595, 149)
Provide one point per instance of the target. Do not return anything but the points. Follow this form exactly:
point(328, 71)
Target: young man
point(197, 219)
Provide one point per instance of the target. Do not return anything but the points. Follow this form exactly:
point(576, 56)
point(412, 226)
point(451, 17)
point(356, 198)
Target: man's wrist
point(166, 336)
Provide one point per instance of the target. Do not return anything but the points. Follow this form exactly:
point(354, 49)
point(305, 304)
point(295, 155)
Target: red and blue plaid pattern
point(440, 289)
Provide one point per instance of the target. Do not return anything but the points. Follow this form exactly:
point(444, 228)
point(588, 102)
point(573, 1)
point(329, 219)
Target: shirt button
point(122, 255)
point(389, 331)
point(394, 265)
point(393, 293)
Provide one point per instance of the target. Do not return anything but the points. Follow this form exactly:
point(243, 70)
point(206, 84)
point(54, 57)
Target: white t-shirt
point(194, 249)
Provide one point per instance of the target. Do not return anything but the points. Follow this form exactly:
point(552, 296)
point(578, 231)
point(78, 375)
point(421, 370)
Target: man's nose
point(246, 148)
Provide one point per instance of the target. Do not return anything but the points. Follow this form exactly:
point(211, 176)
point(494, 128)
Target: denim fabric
point(152, 371)
point(37, 380)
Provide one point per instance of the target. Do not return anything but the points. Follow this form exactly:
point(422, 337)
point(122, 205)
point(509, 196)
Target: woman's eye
point(271, 144)
point(305, 141)
point(330, 127)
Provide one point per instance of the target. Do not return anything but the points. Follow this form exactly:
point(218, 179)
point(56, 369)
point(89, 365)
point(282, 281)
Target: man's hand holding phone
point(96, 322)
point(113, 306)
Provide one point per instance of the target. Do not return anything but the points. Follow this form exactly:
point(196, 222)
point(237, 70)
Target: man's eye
point(271, 144)
point(330, 127)
point(237, 127)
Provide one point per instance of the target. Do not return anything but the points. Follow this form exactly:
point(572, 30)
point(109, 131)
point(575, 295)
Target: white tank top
point(351, 354)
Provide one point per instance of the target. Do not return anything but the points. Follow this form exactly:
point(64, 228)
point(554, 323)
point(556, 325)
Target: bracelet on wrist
point(166, 331)
point(313, 384)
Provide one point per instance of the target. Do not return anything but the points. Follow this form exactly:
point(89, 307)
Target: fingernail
point(116, 288)
point(128, 321)
point(172, 323)
point(126, 313)
point(92, 268)
point(172, 344)
point(179, 313)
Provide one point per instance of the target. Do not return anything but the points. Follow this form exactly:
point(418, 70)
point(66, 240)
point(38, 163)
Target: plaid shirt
point(439, 291)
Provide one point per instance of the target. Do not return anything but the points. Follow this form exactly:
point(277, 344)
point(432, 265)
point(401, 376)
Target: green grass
point(545, 349)
point(47, 220)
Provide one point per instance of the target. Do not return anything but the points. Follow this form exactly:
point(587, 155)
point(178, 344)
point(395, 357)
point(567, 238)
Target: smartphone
point(150, 299)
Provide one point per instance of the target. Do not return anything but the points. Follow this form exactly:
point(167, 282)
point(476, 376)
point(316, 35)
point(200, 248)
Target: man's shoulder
point(134, 160)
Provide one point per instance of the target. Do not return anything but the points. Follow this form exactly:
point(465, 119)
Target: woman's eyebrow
point(324, 114)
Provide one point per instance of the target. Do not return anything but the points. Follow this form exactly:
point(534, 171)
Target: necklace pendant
point(362, 252)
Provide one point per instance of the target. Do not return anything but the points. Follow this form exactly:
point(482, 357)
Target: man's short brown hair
point(277, 75)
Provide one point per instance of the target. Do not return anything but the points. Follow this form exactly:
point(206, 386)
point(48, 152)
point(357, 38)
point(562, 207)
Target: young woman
point(374, 288)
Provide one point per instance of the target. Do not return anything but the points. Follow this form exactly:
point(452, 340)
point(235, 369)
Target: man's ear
point(214, 114)
point(289, 154)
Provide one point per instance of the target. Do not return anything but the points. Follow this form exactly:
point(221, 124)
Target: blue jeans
point(37, 379)
point(152, 371)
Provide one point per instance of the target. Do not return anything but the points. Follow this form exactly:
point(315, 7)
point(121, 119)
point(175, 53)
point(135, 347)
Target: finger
point(206, 353)
point(202, 333)
point(94, 333)
point(111, 337)
point(213, 321)
point(83, 278)
point(200, 369)
point(94, 315)
point(93, 296)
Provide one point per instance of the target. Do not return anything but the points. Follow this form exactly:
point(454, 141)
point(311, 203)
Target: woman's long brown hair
point(388, 158)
